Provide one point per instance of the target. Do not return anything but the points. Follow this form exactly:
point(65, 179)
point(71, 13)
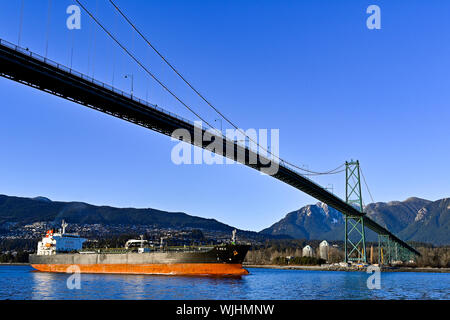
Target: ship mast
point(64, 225)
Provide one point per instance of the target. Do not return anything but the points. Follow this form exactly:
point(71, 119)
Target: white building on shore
point(307, 251)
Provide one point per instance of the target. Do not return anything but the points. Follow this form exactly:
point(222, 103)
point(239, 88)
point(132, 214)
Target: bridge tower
point(355, 239)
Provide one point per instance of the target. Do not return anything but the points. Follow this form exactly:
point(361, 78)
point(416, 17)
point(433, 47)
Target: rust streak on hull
point(166, 269)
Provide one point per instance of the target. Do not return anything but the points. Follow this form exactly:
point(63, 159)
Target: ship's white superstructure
point(60, 242)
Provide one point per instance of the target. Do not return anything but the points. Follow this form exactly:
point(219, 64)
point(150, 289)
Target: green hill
point(27, 210)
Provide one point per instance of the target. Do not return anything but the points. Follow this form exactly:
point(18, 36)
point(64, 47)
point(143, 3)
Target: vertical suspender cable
point(146, 90)
point(91, 25)
point(132, 64)
point(113, 50)
point(94, 45)
point(20, 22)
point(71, 49)
point(48, 26)
point(147, 82)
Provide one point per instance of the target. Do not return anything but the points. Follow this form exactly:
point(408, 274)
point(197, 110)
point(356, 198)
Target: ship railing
point(165, 249)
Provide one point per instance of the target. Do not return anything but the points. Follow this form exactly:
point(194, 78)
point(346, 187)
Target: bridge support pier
point(405, 255)
point(384, 250)
point(355, 240)
point(390, 251)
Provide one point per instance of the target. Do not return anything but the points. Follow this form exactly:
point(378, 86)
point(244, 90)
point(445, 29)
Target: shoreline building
point(324, 249)
point(307, 251)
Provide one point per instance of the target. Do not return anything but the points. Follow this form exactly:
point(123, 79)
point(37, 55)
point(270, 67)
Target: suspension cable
point(140, 64)
point(334, 171)
point(311, 172)
point(367, 186)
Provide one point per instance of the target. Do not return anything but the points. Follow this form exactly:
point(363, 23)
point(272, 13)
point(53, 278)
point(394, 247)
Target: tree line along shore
point(288, 254)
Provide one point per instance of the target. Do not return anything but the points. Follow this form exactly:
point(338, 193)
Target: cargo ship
point(61, 251)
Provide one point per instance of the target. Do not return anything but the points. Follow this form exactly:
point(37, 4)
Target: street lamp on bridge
point(130, 76)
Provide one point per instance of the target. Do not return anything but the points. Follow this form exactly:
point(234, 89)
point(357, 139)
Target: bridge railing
point(88, 78)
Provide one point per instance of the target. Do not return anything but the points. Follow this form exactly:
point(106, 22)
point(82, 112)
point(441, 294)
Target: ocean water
point(21, 282)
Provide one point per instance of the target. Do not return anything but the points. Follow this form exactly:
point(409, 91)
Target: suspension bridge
point(31, 69)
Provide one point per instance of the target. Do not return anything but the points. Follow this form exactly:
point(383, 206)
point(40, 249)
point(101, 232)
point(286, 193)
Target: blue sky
point(335, 89)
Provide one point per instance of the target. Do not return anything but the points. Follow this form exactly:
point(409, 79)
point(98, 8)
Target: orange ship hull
point(164, 269)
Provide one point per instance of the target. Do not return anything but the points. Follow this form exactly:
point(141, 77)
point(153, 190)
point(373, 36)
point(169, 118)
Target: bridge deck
point(33, 70)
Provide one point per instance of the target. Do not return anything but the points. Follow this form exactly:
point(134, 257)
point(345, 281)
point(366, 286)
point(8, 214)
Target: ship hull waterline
point(212, 269)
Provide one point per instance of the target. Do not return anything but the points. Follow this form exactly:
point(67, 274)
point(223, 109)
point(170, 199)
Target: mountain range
point(414, 219)
point(29, 210)
point(24, 211)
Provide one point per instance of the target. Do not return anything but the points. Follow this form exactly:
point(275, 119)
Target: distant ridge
point(42, 199)
point(41, 209)
point(29, 210)
point(414, 219)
